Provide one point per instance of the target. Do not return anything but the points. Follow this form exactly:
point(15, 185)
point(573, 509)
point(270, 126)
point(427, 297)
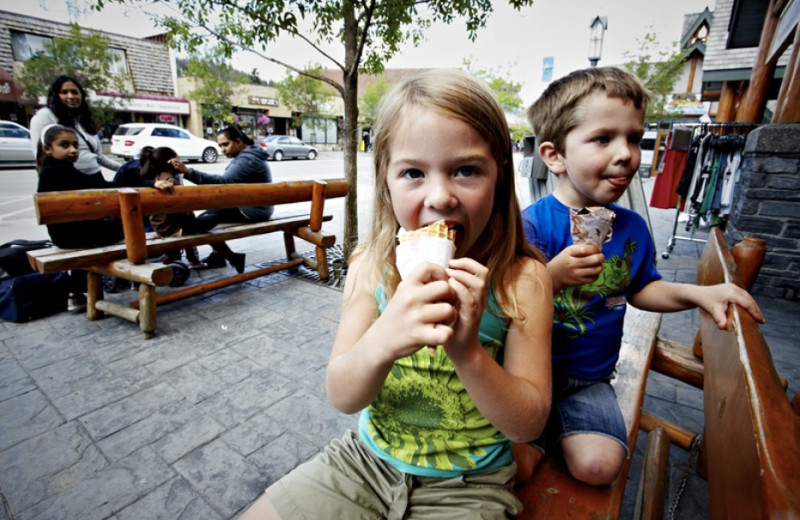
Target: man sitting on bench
point(248, 164)
point(601, 257)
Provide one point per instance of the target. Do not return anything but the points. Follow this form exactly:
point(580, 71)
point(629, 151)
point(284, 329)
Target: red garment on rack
point(664, 195)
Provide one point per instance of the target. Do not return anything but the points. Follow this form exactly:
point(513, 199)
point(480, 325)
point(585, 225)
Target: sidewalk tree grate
point(336, 268)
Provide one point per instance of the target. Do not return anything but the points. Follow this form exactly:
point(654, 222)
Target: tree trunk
point(350, 80)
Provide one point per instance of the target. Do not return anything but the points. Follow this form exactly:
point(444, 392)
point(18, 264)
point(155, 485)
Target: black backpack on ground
point(34, 295)
point(14, 256)
point(25, 294)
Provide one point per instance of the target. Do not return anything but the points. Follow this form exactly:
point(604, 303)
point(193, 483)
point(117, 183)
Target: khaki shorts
point(347, 481)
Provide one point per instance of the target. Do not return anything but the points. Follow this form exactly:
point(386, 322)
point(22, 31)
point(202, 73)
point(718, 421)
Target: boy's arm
point(661, 296)
point(576, 265)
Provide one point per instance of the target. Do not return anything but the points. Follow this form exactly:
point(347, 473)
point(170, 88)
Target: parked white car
point(130, 138)
point(15, 143)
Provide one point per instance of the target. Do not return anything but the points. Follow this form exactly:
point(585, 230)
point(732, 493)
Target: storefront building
point(259, 110)
point(147, 65)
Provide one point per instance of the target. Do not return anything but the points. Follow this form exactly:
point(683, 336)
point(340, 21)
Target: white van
point(648, 146)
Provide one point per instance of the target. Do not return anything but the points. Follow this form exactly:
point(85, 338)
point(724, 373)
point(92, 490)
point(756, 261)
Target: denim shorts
point(581, 406)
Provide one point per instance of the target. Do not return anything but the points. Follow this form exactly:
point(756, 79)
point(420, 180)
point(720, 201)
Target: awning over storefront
point(145, 103)
point(8, 90)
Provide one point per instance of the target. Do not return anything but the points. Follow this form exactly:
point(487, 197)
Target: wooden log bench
point(751, 439)
point(129, 260)
point(552, 493)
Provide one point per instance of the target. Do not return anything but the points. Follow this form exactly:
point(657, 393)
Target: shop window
point(25, 46)
point(119, 62)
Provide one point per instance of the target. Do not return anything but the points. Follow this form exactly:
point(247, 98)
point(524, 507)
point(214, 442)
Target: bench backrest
point(69, 206)
point(752, 434)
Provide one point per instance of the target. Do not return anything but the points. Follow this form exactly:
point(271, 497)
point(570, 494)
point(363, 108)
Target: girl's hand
point(576, 265)
point(469, 281)
point(165, 185)
point(418, 313)
point(178, 165)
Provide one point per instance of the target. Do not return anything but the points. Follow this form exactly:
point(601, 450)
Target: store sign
point(152, 106)
point(166, 118)
point(687, 104)
point(260, 100)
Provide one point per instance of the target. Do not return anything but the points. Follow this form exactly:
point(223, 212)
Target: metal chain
point(693, 450)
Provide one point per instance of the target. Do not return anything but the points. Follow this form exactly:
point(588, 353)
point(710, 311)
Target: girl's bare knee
point(261, 509)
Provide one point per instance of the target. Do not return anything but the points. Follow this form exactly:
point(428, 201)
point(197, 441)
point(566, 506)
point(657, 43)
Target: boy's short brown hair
point(555, 113)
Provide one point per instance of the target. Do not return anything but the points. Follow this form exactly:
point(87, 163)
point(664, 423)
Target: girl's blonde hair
point(459, 96)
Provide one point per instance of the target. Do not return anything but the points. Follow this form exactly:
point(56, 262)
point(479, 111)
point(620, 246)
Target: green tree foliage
point(519, 130)
point(215, 83)
point(658, 70)
point(506, 90)
point(368, 104)
point(307, 95)
point(85, 56)
point(368, 33)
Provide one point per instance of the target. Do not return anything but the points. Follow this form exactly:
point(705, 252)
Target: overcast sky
point(512, 41)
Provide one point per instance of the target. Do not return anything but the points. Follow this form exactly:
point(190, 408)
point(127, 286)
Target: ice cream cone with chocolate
point(591, 225)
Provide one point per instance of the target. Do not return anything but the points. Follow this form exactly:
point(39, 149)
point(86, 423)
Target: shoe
point(214, 260)
point(76, 302)
point(237, 261)
point(170, 257)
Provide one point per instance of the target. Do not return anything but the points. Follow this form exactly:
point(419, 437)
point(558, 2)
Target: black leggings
point(208, 220)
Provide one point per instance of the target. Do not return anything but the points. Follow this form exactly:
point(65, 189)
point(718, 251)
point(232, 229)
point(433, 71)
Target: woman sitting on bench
point(248, 165)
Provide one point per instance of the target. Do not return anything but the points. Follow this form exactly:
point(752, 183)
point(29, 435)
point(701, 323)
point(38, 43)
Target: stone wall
point(768, 206)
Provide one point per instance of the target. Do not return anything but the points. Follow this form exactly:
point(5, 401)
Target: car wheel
point(312, 154)
point(210, 155)
point(278, 155)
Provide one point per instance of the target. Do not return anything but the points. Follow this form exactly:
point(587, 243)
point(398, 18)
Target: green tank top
point(424, 422)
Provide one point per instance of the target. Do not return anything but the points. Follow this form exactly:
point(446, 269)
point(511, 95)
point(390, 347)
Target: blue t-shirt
point(588, 320)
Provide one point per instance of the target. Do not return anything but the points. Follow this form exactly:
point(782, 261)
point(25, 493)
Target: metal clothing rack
point(693, 214)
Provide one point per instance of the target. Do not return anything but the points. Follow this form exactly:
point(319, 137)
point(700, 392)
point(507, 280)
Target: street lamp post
point(598, 29)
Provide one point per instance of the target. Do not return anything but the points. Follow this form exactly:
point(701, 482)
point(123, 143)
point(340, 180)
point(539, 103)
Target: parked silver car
point(15, 143)
point(279, 147)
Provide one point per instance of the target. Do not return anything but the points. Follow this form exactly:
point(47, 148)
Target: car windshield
point(128, 130)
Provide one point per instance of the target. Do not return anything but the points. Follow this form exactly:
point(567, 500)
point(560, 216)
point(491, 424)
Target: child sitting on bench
point(589, 125)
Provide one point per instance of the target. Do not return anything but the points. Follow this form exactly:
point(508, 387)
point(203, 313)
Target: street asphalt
point(98, 423)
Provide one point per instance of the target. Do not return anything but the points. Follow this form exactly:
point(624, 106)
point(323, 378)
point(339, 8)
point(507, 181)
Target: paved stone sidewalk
point(98, 423)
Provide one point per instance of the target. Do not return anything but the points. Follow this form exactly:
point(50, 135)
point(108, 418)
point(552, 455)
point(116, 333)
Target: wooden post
point(788, 107)
point(317, 205)
point(94, 294)
point(652, 491)
point(763, 70)
point(147, 309)
point(130, 209)
point(726, 109)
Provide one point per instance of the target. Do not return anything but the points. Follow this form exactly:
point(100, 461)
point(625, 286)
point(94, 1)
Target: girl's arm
point(661, 296)
point(514, 397)
point(104, 160)
point(367, 345)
